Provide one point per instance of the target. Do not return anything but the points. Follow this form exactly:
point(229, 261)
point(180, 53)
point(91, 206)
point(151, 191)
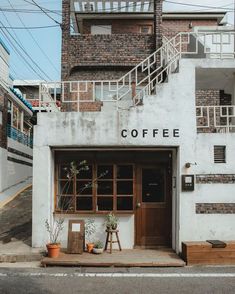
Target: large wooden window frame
point(94, 194)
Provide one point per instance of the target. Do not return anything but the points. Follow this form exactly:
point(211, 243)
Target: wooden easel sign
point(76, 236)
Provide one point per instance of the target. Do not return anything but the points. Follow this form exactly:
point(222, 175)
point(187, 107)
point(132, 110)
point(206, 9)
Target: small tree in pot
point(55, 226)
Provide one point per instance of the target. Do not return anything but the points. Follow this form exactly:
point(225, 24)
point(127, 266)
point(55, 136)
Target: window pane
point(105, 171)
point(84, 188)
point(65, 187)
point(124, 171)
point(105, 188)
point(104, 203)
point(83, 173)
point(125, 188)
point(63, 172)
point(84, 203)
point(65, 203)
point(153, 185)
point(125, 203)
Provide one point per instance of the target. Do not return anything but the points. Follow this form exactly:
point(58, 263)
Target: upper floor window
point(146, 29)
point(101, 29)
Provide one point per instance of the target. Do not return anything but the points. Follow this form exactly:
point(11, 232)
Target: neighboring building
point(29, 89)
point(16, 140)
point(156, 113)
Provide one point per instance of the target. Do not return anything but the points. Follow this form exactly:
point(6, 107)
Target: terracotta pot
point(89, 247)
point(53, 250)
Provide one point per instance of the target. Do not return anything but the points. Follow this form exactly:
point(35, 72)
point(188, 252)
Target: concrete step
point(12, 258)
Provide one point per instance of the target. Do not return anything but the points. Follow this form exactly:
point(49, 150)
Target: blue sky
point(50, 39)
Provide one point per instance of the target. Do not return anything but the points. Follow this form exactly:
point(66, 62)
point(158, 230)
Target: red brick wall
point(172, 27)
point(169, 27)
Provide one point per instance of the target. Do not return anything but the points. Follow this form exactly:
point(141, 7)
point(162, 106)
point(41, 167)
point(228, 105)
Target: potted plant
point(111, 221)
point(53, 247)
point(89, 231)
point(98, 247)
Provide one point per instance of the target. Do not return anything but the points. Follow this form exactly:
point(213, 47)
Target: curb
point(3, 203)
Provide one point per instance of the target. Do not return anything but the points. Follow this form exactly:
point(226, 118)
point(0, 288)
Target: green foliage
point(90, 229)
point(99, 245)
point(111, 221)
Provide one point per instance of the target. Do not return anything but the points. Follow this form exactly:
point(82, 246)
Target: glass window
point(9, 113)
point(110, 187)
point(124, 171)
point(153, 183)
point(105, 188)
point(125, 203)
point(125, 187)
point(84, 203)
point(104, 203)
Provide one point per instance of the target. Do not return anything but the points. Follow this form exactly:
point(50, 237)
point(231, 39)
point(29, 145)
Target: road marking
point(123, 275)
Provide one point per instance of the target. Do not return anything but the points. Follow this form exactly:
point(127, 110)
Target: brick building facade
point(87, 56)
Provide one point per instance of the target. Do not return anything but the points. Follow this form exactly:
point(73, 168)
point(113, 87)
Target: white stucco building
point(165, 135)
point(16, 154)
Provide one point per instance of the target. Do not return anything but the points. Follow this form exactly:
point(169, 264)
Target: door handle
point(138, 205)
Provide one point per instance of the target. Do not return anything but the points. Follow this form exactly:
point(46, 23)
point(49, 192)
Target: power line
point(21, 10)
point(17, 51)
point(29, 28)
point(195, 5)
point(35, 41)
point(44, 10)
point(20, 5)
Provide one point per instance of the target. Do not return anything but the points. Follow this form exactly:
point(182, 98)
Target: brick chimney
point(65, 39)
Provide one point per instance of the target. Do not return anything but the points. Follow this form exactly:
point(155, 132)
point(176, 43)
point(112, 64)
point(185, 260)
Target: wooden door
point(153, 207)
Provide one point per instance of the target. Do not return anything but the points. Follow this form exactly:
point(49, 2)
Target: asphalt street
point(117, 280)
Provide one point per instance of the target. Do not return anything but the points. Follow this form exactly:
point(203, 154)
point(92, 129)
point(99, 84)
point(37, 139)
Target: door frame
point(174, 198)
point(167, 168)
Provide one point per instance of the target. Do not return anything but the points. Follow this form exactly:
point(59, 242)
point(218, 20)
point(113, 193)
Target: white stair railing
point(143, 79)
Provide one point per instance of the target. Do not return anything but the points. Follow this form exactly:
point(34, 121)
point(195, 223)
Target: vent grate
point(219, 154)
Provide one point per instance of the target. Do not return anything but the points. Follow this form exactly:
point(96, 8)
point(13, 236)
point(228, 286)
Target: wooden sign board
point(76, 235)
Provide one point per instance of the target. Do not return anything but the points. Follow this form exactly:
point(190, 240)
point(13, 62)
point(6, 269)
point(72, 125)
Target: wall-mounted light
point(189, 164)
point(190, 25)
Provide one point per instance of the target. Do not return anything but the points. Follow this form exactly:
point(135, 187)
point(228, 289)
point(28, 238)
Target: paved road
point(196, 280)
point(16, 219)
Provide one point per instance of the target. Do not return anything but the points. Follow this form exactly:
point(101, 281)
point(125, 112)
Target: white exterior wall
point(3, 169)
point(17, 172)
point(12, 173)
point(4, 64)
point(172, 108)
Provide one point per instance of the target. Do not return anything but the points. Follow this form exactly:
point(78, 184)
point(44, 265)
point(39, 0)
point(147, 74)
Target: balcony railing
point(215, 119)
point(20, 137)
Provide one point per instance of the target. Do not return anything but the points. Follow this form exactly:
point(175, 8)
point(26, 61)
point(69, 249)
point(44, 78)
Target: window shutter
point(219, 154)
